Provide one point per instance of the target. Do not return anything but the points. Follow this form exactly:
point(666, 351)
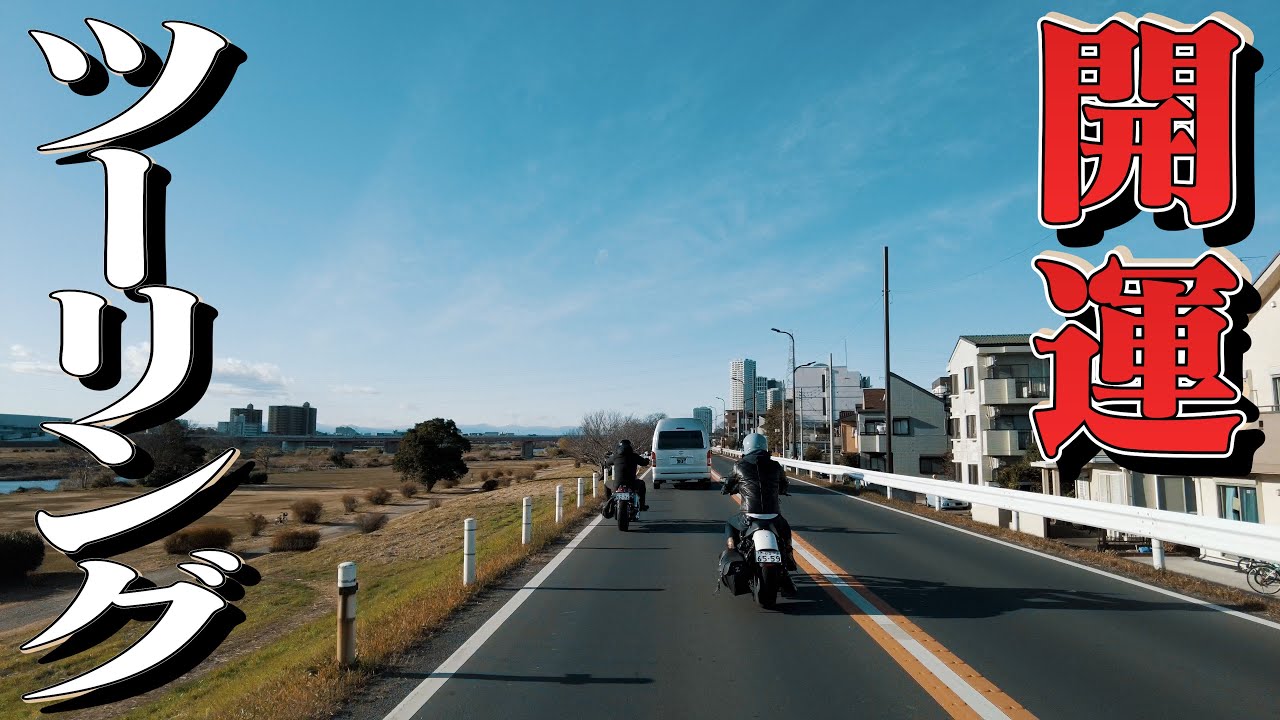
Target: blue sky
point(516, 213)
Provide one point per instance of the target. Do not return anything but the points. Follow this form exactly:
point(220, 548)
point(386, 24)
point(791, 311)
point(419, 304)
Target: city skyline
point(473, 241)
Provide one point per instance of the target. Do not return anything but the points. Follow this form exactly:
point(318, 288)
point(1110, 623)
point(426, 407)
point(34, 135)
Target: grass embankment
point(1229, 597)
point(279, 663)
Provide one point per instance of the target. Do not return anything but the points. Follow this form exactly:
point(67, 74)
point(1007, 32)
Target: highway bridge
point(348, 443)
point(897, 616)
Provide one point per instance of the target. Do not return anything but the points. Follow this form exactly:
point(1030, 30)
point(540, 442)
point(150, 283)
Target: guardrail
point(1228, 536)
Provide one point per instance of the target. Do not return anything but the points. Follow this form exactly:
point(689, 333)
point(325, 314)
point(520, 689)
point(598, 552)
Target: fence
point(1228, 536)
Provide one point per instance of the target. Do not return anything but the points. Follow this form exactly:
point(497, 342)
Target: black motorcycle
point(624, 505)
point(755, 565)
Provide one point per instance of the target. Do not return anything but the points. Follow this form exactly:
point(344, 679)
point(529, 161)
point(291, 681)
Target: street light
point(724, 417)
point(793, 382)
point(795, 392)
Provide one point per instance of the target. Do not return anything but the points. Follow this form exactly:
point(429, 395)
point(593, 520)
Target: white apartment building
point(995, 380)
point(742, 375)
point(1255, 498)
point(810, 396)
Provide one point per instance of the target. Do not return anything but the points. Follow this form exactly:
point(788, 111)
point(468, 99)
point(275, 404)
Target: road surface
point(897, 618)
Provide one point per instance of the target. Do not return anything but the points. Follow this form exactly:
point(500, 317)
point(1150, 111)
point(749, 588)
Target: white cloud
point(26, 362)
point(602, 256)
point(355, 390)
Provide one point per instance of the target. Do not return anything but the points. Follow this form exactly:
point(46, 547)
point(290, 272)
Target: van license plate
point(680, 460)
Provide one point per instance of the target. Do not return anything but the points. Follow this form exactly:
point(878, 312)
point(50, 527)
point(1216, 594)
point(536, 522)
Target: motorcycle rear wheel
point(767, 590)
point(624, 515)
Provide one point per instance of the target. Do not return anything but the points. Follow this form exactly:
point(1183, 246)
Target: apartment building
point(919, 428)
point(994, 381)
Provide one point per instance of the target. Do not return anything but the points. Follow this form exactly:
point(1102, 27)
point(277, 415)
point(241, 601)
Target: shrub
point(489, 485)
point(370, 521)
point(485, 475)
point(295, 539)
point(258, 477)
point(378, 496)
point(349, 502)
point(577, 462)
point(257, 523)
point(812, 454)
point(524, 475)
point(339, 459)
point(196, 538)
point(541, 466)
point(22, 550)
point(104, 478)
point(447, 482)
point(506, 482)
point(409, 489)
point(307, 511)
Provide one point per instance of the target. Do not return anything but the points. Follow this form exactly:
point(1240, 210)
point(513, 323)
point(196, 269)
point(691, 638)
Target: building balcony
point(1267, 458)
point(873, 444)
point(1006, 442)
point(1000, 391)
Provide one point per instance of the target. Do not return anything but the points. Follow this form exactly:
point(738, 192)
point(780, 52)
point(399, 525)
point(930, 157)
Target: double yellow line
point(959, 689)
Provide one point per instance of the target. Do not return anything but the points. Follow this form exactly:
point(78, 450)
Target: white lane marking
point(1138, 583)
point(418, 697)
point(966, 692)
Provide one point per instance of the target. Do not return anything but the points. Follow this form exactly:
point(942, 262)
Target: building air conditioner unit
point(989, 360)
point(993, 463)
point(993, 412)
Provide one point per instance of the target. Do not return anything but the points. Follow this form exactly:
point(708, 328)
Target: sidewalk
point(1203, 569)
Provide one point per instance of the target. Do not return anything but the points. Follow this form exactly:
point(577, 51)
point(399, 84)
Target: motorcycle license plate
point(768, 556)
point(621, 496)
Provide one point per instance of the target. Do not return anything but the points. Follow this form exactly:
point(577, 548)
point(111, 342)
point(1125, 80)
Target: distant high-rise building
point(774, 398)
point(704, 414)
point(291, 419)
point(762, 395)
point(250, 419)
point(742, 383)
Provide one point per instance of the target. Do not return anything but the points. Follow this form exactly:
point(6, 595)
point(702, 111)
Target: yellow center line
point(957, 688)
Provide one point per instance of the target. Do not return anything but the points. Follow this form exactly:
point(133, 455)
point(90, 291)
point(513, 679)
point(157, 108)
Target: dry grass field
point(278, 662)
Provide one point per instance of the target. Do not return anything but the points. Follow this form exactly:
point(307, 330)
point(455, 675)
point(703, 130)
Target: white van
point(681, 451)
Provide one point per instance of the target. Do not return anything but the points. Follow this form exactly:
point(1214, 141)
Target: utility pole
point(831, 406)
point(888, 378)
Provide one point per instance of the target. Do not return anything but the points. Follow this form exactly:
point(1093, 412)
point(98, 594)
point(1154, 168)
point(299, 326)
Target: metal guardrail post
point(1157, 554)
point(468, 551)
point(559, 503)
point(594, 477)
point(526, 522)
point(347, 587)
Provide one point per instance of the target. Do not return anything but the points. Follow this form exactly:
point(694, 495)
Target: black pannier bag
point(733, 572)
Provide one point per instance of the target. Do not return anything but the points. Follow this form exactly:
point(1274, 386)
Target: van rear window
point(680, 440)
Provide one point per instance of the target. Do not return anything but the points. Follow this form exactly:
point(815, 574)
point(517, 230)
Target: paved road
point(627, 624)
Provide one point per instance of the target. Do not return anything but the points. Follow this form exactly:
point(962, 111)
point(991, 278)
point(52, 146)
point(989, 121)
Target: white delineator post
point(594, 478)
point(579, 492)
point(559, 503)
point(468, 551)
point(526, 522)
point(1157, 554)
point(347, 586)
point(937, 503)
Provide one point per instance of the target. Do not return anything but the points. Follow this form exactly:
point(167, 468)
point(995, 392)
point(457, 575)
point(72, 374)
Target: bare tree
point(601, 431)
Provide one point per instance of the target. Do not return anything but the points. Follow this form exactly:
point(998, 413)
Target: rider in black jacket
point(759, 480)
point(625, 460)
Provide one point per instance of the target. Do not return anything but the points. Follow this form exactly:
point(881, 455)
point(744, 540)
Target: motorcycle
point(755, 564)
point(623, 505)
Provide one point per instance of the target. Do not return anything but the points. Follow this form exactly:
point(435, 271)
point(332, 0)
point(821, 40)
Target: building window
point(1177, 494)
point(876, 462)
point(971, 426)
point(873, 427)
point(1236, 502)
point(933, 466)
point(902, 426)
point(1275, 392)
point(953, 427)
point(968, 378)
point(973, 474)
point(955, 386)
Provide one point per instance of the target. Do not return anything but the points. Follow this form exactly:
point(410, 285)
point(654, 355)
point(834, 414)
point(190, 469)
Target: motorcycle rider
point(759, 479)
point(625, 460)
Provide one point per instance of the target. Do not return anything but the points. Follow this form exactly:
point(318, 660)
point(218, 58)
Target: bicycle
point(1264, 577)
point(1247, 564)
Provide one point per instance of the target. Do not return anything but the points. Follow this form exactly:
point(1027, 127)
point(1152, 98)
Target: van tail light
point(708, 457)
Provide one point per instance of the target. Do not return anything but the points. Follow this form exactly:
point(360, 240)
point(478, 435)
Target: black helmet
point(624, 446)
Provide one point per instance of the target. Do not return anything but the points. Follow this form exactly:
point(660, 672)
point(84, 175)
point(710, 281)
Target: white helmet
point(754, 442)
